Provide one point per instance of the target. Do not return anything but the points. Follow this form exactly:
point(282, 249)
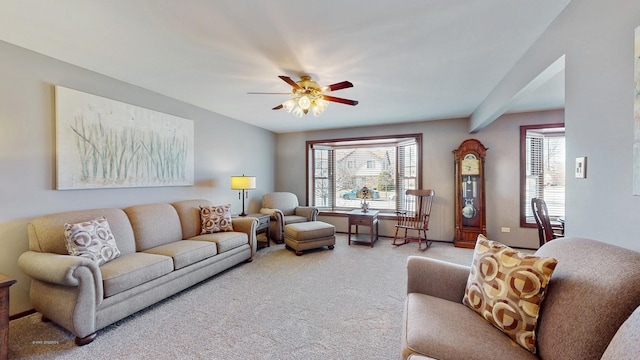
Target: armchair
point(284, 209)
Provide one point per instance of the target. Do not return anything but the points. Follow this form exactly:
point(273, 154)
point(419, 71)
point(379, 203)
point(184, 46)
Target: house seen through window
point(387, 165)
point(542, 170)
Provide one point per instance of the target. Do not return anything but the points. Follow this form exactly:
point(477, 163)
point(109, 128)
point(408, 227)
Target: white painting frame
point(636, 114)
point(104, 143)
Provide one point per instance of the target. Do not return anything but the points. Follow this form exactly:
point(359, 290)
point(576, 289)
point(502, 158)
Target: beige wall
point(597, 39)
point(223, 147)
point(440, 138)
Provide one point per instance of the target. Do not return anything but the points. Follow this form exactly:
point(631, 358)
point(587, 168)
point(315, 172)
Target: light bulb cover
point(304, 102)
point(289, 105)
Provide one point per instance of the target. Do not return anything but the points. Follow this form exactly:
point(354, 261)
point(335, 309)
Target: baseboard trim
point(22, 314)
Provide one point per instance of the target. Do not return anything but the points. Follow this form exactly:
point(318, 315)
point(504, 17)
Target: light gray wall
point(223, 147)
point(440, 138)
point(597, 39)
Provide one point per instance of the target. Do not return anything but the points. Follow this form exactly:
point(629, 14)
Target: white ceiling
point(409, 60)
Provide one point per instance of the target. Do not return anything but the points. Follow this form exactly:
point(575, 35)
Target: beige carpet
point(344, 303)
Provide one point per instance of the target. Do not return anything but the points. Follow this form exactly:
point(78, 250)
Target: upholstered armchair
point(284, 209)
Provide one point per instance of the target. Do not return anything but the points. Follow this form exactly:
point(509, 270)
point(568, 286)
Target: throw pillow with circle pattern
point(507, 287)
point(215, 218)
point(92, 240)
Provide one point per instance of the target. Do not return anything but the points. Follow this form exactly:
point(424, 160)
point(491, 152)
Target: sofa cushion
point(46, 233)
point(507, 287)
point(215, 218)
point(444, 329)
point(309, 230)
point(626, 341)
point(154, 225)
point(593, 291)
point(284, 201)
point(294, 219)
point(92, 240)
point(131, 270)
point(185, 252)
point(225, 240)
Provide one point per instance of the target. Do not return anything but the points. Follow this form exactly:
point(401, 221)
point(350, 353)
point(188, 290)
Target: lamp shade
point(243, 182)
point(364, 193)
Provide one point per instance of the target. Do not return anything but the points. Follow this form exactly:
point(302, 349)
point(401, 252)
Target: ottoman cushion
point(311, 230)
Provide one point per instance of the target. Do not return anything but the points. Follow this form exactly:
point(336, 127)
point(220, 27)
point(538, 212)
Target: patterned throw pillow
point(507, 287)
point(92, 239)
point(215, 218)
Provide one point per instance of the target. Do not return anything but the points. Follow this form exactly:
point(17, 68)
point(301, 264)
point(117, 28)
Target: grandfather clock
point(471, 219)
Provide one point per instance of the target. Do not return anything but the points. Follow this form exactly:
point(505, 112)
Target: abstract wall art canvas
point(636, 116)
point(103, 143)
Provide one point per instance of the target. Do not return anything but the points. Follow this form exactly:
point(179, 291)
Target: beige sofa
point(161, 253)
point(594, 289)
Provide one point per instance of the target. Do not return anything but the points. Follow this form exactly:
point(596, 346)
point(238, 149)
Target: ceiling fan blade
point(289, 81)
point(278, 107)
point(340, 100)
point(267, 93)
point(339, 86)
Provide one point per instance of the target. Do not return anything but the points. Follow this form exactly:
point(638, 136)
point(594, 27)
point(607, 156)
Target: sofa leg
point(298, 252)
point(330, 247)
point(85, 340)
point(249, 260)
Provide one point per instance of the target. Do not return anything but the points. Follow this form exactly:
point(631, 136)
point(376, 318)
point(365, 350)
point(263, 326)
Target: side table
point(263, 225)
point(369, 218)
point(5, 283)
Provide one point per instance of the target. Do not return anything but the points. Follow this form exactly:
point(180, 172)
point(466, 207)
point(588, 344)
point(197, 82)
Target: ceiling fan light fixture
point(289, 105)
point(298, 112)
point(307, 95)
point(318, 106)
point(304, 102)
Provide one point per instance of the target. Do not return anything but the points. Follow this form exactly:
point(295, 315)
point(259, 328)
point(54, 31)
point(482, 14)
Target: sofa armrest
point(436, 278)
point(248, 226)
point(276, 223)
point(310, 212)
point(64, 270)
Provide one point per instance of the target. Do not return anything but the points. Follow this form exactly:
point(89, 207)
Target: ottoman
point(309, 235)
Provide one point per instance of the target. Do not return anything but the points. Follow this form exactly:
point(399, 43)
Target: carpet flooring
point(345, 303)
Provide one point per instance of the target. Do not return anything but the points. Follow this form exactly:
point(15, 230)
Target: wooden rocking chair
point(415, 217)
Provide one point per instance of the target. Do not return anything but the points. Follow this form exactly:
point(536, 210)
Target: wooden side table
point(263, 224)
point(5, 283)
point(369, 218)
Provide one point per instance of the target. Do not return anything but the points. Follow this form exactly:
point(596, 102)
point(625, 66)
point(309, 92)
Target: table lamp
point(243, 183)
point(364, 194)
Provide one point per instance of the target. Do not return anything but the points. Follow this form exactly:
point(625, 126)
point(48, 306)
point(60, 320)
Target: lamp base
point(243, 214)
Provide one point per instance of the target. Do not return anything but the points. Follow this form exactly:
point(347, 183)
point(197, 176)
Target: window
point(389, 165)
point(542, 170)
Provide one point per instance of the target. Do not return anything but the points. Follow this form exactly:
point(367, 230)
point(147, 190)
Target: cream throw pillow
point(507, 287)
point(92, 239)
point(215, 218)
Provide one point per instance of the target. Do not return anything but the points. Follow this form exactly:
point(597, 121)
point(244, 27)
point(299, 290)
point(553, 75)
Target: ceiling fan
point(308, 95)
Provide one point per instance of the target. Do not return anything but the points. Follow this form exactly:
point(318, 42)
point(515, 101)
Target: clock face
point(470, 165)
